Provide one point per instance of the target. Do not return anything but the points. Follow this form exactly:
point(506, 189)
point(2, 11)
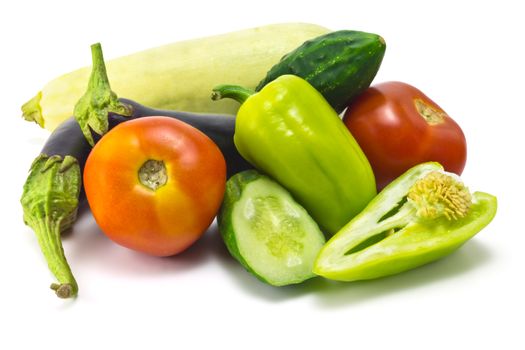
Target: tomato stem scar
point(153, 174)
point(431, 115)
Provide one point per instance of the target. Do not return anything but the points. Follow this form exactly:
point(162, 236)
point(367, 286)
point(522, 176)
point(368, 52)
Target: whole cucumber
point(178, 76)
point(340, 65)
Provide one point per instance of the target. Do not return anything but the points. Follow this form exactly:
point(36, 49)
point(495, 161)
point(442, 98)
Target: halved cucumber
point(269, 233)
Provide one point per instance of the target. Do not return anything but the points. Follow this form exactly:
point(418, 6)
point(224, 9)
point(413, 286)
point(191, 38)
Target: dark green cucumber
point(269, 233)
point(340, 65)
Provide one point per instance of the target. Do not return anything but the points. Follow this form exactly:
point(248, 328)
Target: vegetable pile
point(293, 178)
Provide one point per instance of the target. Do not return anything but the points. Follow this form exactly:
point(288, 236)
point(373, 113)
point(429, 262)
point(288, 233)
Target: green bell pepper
point(420, 217)
point(289, 131)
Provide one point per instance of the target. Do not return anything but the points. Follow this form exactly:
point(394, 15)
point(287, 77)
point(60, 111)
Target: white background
point(468, 57)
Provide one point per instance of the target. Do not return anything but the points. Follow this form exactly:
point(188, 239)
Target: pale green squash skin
point(179, 76)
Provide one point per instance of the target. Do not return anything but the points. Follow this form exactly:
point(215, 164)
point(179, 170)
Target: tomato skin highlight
point(167, 220)
point(398, 127)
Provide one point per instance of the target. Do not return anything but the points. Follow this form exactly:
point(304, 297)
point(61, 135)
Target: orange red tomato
point(155, 184)
point(398, 127)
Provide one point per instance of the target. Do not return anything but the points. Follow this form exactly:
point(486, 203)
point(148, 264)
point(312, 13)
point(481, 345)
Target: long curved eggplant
point(68, 139)
point(53, 188)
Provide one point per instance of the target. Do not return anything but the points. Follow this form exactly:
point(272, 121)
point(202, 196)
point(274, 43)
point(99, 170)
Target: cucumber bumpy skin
point(340, 65)
point(264, 229)
point(178, 76)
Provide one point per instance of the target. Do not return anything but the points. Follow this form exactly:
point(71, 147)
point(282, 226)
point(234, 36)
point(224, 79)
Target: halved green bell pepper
point(420, 217)
point(289, 131)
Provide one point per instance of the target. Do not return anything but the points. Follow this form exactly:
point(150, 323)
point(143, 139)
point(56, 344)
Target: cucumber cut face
point(269, 233)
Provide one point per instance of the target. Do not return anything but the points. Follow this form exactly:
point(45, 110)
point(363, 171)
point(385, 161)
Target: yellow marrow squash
point(181, 75)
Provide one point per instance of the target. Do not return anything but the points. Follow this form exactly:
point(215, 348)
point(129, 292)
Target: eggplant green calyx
point(91, 111)
point(422, 216)
point(50, 201)
point(238, 93)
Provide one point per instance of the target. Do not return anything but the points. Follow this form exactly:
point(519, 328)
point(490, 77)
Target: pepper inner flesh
point(436, 195)
point(394, 210)
point(369, 241)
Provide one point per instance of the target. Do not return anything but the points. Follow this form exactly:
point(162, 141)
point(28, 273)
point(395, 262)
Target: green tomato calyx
point(440, 194)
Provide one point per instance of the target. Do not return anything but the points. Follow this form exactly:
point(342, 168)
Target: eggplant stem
point(48, 233)
point(92, 110)
point(63, 291)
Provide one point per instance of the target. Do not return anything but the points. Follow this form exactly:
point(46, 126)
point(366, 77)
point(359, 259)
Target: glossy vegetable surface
point(179, 76)
point(398, 127)
point(155, 184)
point(53, 187)
point(420, 217)
point(264, 229)
point(289, 131)
point(340, 65)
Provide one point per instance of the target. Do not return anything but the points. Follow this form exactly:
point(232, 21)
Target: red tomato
point(397, 127)
point(155, 184)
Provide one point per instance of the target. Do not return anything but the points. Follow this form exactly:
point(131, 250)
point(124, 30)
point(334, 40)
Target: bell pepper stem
point(50, 202)
point(91, 111)
point(238, 93)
